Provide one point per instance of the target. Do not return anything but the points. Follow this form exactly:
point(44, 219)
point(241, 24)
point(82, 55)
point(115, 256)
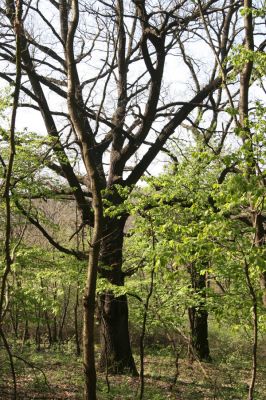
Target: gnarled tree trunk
point(116, 354)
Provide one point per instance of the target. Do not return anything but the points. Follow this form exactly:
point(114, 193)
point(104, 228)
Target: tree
point(7, 178)
point(253, 171)
point(105, 68)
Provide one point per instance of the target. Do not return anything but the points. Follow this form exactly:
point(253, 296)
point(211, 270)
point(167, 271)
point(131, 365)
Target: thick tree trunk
point(198, 317)
point(116, 354)
point(88, 342)
point(199, 333)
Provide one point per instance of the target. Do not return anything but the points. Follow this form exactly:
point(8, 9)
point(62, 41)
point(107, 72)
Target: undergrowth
point(56, 373)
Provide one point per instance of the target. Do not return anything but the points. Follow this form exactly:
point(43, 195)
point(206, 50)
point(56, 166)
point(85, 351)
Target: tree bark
point(89, 299)
point(259, 241)
point(116, 355)
point(198, 318)
point(76, 324)
point(263, 287)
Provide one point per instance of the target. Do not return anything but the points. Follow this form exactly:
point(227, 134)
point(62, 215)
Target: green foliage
point(198, 221)
point(256, 12)
point(40, 278)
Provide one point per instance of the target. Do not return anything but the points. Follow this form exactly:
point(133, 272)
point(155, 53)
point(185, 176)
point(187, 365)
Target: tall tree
point(105, 67)
point(253, 170)
point(8, 171)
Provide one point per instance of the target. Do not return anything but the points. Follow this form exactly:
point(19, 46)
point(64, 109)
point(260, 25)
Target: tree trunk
point(259, 241)
point(26, 333)
point(116, 354)
point(14, 319)
point(76, 324)
point(89, 302)
point(54, 327)
point(54, 332)
point(263, 287)
point(37, 330)
point(198, 317)
point(64, 312)
point(49, 330)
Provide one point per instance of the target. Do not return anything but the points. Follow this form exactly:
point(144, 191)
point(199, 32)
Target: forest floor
point(57, 375)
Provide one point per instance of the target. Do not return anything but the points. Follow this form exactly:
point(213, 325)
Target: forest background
point(154, 283)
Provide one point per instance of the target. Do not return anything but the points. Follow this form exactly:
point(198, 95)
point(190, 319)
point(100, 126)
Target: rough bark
point(116, 354)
